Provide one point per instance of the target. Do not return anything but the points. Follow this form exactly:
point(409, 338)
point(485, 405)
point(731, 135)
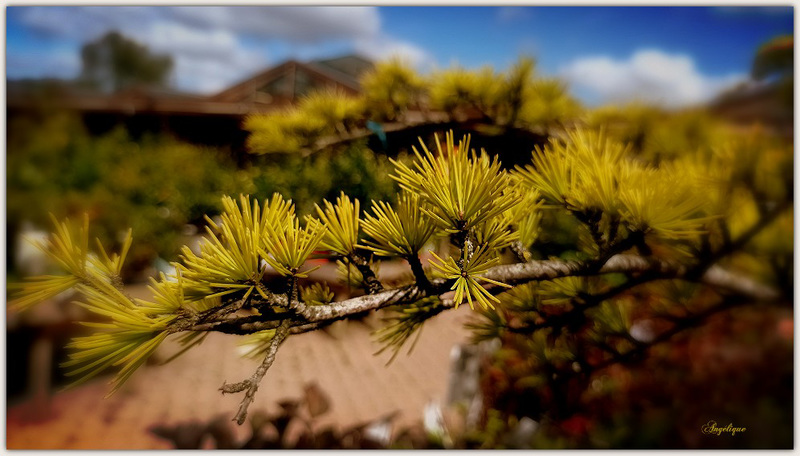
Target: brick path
point(359, 384)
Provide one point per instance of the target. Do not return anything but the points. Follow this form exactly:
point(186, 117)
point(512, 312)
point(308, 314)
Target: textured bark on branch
point(309, 318)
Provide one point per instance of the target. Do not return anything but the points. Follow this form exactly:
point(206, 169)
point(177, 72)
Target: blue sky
point(671, 55)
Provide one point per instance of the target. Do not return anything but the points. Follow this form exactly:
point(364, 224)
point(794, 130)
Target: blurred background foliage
point(153, 184)
point(354, 169)
point(159, 186)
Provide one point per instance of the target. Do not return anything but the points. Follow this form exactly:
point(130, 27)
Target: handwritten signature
point(712, 428)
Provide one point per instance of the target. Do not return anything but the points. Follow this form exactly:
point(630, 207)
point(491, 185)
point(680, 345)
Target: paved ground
point(359, 384)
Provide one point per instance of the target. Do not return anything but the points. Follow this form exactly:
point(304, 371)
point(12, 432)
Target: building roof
point(352, 65)
point(268, 90)
point(292, 79)
point(761, 103)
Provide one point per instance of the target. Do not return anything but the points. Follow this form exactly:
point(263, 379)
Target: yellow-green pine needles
point(287, 249)
point(70, 251)
point(128, 348)
point(231, 262)
point(317, 294)
point(461, 189)
point(466, 278)
point(578, 173)
point(127, 340)
point(342, 225)
point(397, 233)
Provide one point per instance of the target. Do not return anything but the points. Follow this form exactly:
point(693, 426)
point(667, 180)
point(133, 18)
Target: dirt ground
point(361, 387)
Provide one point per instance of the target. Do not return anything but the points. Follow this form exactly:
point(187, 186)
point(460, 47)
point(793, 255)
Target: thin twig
point(578, 311)
point(240, 326)
point(735, 245)
point(370, 280)
point(250, 386)
point(521, 252)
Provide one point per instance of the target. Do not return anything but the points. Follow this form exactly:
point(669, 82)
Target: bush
point(353, 169)
point(156, 185)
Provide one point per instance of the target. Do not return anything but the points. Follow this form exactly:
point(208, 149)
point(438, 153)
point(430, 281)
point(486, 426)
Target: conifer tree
point(635, 218)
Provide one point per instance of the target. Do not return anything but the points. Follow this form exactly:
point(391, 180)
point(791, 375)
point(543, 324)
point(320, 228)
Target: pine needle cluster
point(468, 275)
point(591, 173)
point(403, 232)
point(460, 190)
point(131, 329)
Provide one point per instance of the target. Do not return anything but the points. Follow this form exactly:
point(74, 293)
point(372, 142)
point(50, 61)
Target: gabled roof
point(341, 73)
point(352, 65)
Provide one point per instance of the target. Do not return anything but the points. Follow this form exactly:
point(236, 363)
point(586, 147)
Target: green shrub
point(155, 185)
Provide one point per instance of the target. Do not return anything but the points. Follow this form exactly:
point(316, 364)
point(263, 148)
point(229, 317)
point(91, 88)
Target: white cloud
point(84, 22)
point(205, 61)
point(207, 76)
point(214, 47)
point(671, 80)
point(382, 47)
point(206, 58)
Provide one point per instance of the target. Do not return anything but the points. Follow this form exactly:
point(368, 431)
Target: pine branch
point(440, 123)
point(239, 326)
point(681, 325)
point(312, 317)
point(301, 318)
point(309, 317)
point(577, 314)
point(735, 245)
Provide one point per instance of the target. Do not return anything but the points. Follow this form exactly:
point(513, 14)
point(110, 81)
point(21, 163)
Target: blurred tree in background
point(775, 61)
point(353, 169)
point(114, 62)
